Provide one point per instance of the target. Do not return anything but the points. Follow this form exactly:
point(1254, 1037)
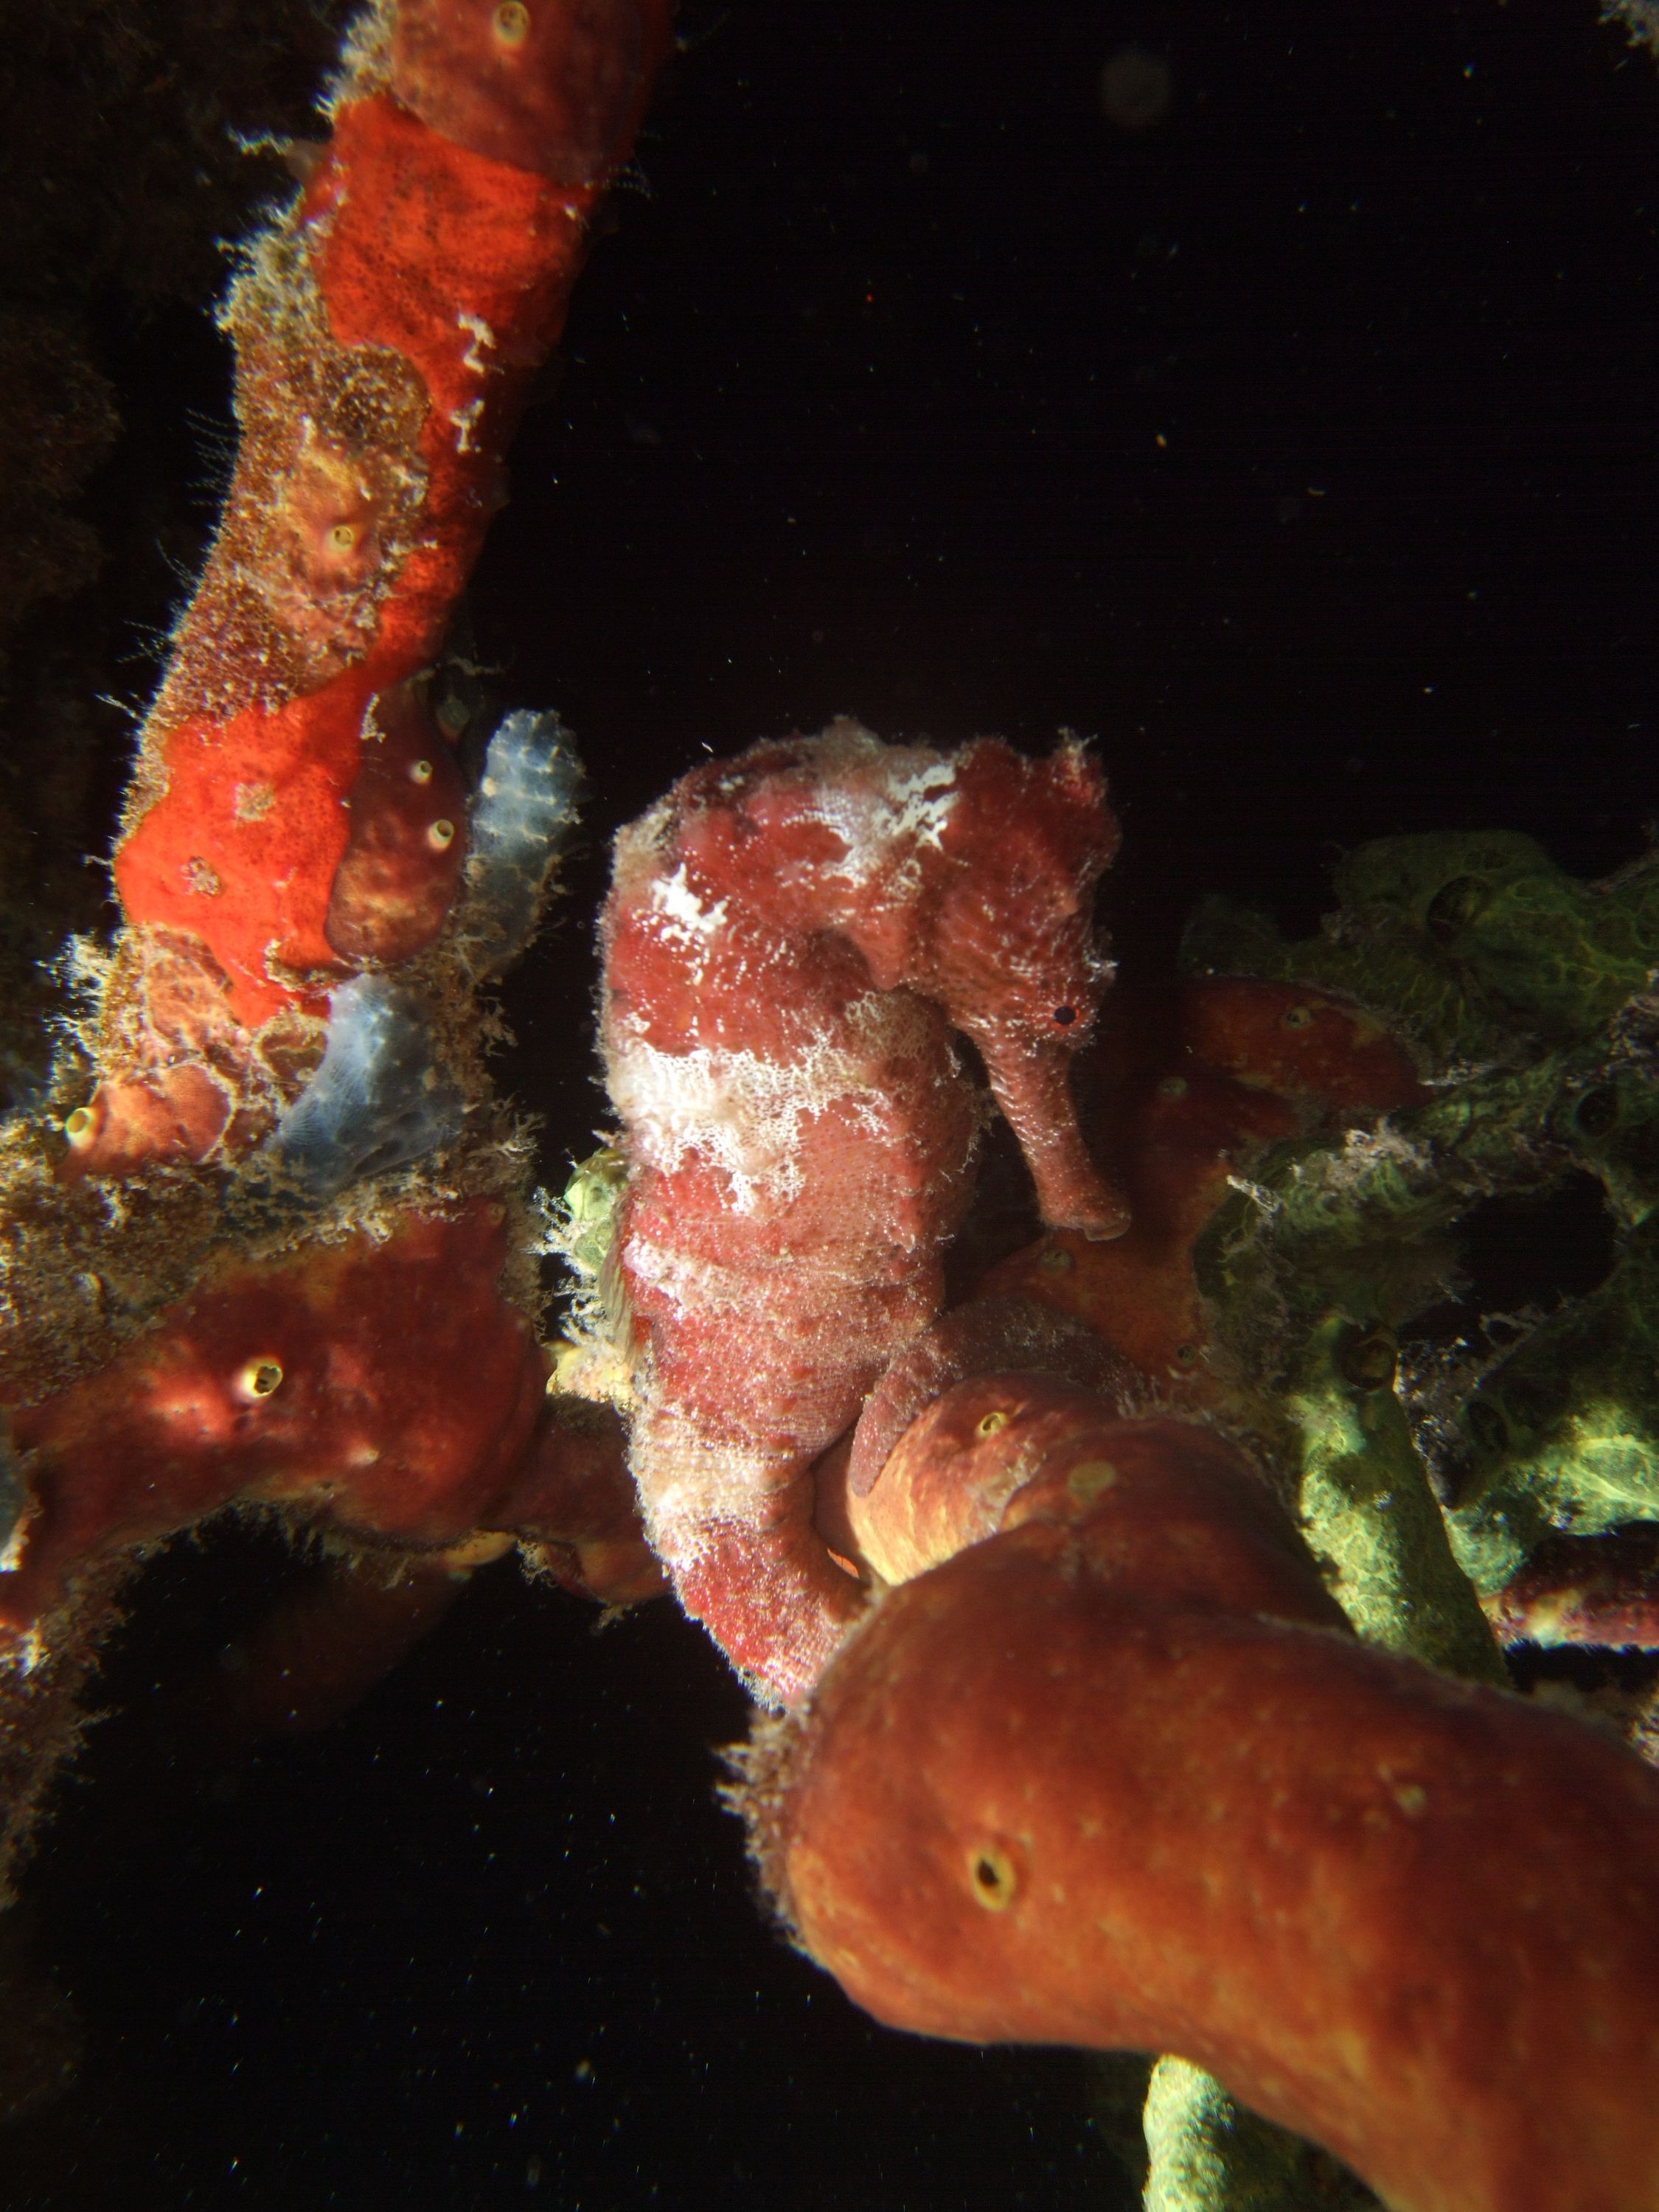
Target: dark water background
point(1301, 447)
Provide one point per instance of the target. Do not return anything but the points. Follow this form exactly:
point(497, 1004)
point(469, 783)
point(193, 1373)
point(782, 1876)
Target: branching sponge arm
point(1115, 1776)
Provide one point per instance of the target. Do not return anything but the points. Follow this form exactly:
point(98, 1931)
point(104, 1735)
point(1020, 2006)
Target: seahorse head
point(1008, 941)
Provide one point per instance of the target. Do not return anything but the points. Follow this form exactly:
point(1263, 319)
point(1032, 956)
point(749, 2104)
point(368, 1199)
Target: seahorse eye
point(1064, 1016)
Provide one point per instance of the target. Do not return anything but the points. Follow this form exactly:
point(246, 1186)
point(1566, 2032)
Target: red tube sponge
point(294, 811)
point(385, 1385)
point(1113, 1776)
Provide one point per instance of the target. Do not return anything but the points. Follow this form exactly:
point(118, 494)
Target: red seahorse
point(789, 940)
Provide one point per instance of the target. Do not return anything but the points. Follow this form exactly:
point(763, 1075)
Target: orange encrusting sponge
point(295, 811)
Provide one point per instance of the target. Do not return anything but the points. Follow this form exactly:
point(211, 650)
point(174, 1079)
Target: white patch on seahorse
point(881, 801)
point(685, 915)
point(743, 1112)
point(692, 1486)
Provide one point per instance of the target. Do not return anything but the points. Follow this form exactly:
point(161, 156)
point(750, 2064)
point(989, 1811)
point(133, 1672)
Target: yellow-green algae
point(1528, 998)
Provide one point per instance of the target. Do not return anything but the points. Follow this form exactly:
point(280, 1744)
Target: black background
point(1301, 448)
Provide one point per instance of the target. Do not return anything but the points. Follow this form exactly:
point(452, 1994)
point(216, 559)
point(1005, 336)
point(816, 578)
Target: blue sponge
point(377, 1101)
point(524, 812)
